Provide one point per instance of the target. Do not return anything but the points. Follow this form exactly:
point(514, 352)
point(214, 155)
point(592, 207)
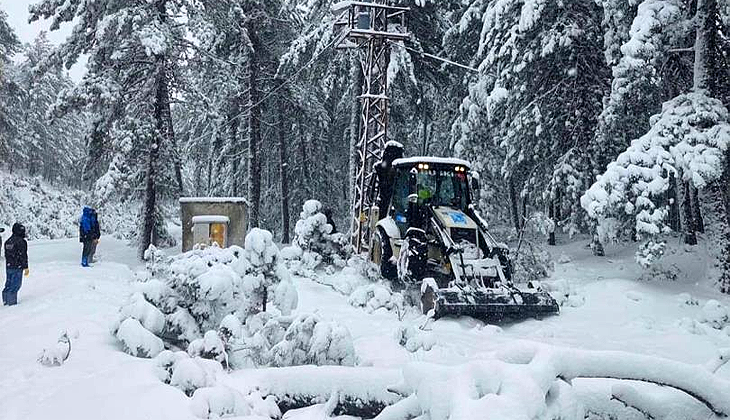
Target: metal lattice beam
point(372, 26)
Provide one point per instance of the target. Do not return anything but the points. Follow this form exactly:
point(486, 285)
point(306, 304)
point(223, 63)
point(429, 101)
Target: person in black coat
point(16, 262)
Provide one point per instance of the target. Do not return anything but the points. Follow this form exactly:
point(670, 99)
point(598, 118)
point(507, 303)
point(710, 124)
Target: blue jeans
point(12, 285)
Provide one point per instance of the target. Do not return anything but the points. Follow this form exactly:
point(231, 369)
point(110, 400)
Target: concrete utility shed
point(213, 219)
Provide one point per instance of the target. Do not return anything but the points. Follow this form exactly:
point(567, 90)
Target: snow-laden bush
point(143, 311)
point(375, 296)
point(715, 314)
point(221, 401)
point(650, 252)
point(315, 245)
point(190, 374)
point(211, 302)
point(532, 263)
point(184, 372)
point(182, 296)
point(137, 340)
point(198, 378)
point(564, 292)
point(211, 346)
point(309, 340)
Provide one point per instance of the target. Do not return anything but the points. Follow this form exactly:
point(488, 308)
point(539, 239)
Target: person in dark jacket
point(86, 235)
point(95, 235)
point(16, 262)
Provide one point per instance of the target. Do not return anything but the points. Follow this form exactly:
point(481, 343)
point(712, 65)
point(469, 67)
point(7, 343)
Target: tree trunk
point(283, 174)
point(254, 138)
point(721, 198)
point(95, 156)
point(424, 123)
point(354, 128)
point(551, 214)
point(514, 206)
point(700, 48)
point(233, 132)
point(596, 245)
point(148, 236)
point(690, 235)
point(162, 132)
point(697, 211)
point(172, 142)
point(673, 203)
point(209, 188)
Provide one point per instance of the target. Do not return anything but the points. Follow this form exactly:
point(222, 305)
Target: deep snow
point(607, 310)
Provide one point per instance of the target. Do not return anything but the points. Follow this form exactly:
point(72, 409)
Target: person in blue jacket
point(86, 234)
point(16, 264)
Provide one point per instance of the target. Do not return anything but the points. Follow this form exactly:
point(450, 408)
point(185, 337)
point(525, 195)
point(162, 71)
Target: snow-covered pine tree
point(46, 145)
point(424, 92)
point(635, 89)
point(471, 132)
point(689, 140)
point(133, 54)
point(320, 95)
point(213, 115)
point(9, 45)
point(713, 35)
point(231, 73)
point(533, 56)
point(654, 66)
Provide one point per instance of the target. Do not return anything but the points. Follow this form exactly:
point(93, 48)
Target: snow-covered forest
point(600, 132)
point(250, 98)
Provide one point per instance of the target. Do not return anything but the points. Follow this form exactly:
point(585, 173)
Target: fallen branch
point(354, 391)
point(629, 397)
point(339, 404)
point(693, 380)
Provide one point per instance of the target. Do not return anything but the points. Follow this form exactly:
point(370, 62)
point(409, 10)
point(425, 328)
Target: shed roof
point(213, 200)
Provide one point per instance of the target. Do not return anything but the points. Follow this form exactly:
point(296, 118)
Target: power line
point(443, 60)
point(294, 76)
point(314, 58)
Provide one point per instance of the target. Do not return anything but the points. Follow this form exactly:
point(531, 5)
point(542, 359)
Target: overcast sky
point(17, 11)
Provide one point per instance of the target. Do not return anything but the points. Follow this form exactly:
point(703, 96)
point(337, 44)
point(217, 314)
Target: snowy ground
point(613, 312)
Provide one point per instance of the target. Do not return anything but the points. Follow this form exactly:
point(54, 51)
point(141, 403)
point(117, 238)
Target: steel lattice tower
point(371, 27)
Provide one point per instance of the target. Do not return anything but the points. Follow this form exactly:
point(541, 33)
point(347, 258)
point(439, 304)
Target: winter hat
point(19, 230)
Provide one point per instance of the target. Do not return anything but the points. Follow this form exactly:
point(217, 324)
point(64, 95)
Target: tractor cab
point(428, 182)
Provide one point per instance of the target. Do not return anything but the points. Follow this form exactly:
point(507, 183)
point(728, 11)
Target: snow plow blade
point(494, 304)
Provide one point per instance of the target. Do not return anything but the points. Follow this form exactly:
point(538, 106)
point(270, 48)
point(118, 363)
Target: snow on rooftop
point(393, 143)
point(210, 219)
point(213, 200)
point(432, 160)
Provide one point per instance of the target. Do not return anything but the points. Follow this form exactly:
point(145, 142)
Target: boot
point(84, 261)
